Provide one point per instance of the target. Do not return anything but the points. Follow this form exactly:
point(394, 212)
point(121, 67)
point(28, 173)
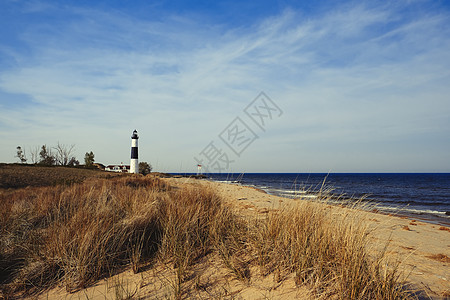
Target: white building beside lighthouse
point(134, 164)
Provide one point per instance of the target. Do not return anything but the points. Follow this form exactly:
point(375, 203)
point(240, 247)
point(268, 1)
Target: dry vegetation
point(327, 253)
point(75, 235)
point(19, 176)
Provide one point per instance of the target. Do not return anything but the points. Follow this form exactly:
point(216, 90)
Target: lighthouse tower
point(134, 164)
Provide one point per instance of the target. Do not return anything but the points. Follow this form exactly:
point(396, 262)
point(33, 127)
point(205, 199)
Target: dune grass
point(75, 235)
point(328, 253)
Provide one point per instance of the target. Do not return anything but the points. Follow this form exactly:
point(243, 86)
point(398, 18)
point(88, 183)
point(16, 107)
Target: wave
point(414, 211)
point(410, 202)
point(285, 191)
point(419, 195)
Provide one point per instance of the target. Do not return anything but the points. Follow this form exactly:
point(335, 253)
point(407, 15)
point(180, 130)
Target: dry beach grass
point(183, 239)
point(20, 176)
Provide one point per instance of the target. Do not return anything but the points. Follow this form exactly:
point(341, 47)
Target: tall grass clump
point(327, 252)
point(192, 220)
point(75, 235)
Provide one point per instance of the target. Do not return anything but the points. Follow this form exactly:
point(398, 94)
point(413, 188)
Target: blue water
point(425, 196)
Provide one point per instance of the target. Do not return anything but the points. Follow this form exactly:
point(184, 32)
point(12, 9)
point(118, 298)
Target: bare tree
point(34, 154)
point(64, 154)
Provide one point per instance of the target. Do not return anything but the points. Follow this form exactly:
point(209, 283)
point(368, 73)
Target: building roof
point(120, 166)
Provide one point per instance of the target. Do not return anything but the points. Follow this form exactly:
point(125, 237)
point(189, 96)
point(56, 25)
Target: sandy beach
point(422, 250)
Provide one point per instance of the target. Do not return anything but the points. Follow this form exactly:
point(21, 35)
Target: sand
point(421, 248)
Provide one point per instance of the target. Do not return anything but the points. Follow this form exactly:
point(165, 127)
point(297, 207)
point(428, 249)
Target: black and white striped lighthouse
point(134, 164)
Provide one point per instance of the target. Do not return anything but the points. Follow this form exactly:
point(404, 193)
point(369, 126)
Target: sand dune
point(422, 249)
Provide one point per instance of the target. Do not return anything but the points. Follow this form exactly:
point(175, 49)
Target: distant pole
point(199, 169)
point(134, 164)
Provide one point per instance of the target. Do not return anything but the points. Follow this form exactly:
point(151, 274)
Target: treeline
point(60, 155)
point(63, 155)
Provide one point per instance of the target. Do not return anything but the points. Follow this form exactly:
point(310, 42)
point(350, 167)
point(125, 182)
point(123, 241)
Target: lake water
point(420, 195)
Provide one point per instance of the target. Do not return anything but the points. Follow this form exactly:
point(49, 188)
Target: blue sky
point(363, 86)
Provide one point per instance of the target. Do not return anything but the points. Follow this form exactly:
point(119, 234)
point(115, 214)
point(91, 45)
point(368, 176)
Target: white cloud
point(350, 75)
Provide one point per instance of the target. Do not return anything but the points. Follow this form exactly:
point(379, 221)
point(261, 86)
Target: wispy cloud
point(345, 76)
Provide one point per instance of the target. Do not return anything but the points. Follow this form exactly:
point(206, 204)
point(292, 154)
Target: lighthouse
point(134, 164)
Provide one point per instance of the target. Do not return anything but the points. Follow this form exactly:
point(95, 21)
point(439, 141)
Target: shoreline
point(395, 210)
